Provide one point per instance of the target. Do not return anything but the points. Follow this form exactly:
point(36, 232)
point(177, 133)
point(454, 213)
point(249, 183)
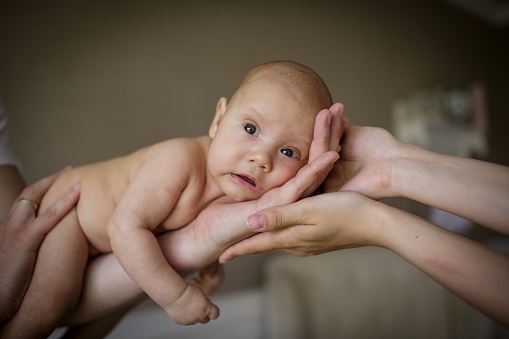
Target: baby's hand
point(210, 278)
point(192, 307)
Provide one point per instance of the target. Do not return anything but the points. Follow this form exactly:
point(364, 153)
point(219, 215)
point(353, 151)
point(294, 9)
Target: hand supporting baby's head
point(261, 137)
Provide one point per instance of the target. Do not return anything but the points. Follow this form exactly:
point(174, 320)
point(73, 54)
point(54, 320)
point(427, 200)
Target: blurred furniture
point(363, 293)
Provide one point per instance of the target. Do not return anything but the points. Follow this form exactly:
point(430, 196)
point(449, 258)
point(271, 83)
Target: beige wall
point(87, 80)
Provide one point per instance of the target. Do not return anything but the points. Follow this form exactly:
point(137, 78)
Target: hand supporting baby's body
point(108, 288)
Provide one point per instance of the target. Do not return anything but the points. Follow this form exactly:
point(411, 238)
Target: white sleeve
point(7, 157)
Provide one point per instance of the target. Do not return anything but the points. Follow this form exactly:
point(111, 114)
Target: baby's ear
point(220, 111)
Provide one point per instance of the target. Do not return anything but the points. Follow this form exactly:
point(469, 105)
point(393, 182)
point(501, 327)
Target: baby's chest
point(185, 210)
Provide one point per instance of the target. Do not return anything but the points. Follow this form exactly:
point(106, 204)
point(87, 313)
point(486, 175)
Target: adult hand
point(223, 221)
point(221, 224)
point(314, 225)
point(339, 220)
point(329, 127)
point(367, 154)
point(21, 235)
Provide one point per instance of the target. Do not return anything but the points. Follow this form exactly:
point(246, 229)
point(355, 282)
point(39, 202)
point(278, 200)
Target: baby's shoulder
point(183, 150)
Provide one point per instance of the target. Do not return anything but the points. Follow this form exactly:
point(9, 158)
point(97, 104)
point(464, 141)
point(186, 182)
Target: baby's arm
point(223, 223)
point(148, 200)
point(107, 287)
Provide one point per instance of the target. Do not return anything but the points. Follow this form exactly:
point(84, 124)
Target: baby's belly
point(98, 200)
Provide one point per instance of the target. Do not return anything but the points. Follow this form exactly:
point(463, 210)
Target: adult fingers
point(329, 127)
point(258, 243)
point(53, 214)
point(320, 173)
point(277, 219)
point(337, 125)
point(31, 196)
point(308, 179)
point(321, 134)
point(35, 191)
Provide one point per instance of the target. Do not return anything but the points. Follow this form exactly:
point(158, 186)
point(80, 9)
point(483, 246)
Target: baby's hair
point(304, 81)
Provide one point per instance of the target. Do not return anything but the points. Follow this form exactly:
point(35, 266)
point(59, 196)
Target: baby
point(257, 141)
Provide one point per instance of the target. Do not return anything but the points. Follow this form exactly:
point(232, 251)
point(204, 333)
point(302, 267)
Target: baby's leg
point(56, 283)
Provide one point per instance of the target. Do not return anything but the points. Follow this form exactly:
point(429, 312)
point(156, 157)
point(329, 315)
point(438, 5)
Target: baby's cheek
point(284, 177)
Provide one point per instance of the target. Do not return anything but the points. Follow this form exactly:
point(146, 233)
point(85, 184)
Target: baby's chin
point(244, 196)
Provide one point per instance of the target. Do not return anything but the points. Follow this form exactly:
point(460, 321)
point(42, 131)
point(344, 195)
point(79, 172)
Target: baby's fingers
point(210, 278)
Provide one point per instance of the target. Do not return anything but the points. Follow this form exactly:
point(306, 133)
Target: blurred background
point(83, 81)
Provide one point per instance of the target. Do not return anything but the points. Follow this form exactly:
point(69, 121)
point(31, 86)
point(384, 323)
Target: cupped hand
point(314, 225)
point(21, 234)
point(365, 165)
point(329, 127)
point(223, 222)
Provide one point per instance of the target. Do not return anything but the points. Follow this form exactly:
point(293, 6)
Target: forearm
point(473, 189)
point(199, 244)
point(223, 223)
point(477, 274)
point(107, 287)
point(193, 247)
point(139, 253)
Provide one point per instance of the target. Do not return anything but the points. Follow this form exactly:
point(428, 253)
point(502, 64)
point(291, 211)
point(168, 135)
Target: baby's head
point(261, 137)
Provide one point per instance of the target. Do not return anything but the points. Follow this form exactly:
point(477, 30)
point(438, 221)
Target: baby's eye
point(251, 129)
point(288, 152)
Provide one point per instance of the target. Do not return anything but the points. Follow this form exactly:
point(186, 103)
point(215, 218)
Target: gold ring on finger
point(28, 202)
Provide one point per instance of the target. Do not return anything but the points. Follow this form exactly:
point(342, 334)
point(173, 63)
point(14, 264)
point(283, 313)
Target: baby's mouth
point(248, 181)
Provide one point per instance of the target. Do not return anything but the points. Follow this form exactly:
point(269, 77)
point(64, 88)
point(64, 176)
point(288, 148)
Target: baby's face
point(261, 141)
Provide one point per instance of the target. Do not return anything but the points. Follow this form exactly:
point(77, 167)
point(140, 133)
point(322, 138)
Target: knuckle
point(277, 219)
point(29, 190)
point(50, 213)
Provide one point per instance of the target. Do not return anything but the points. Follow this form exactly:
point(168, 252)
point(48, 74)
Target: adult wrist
point(388, 232)
point(405, 170)
point(380, 232)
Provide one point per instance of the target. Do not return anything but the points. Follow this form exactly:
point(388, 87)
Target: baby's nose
point(262, 159)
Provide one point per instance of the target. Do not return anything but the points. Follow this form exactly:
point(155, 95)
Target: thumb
point(272, 219)
point(275, 218)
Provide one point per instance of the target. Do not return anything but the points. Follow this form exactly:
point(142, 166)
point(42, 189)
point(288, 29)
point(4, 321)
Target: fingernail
point(77, 187)
point(329, 118)
point(255, 222)
point(336, 158)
